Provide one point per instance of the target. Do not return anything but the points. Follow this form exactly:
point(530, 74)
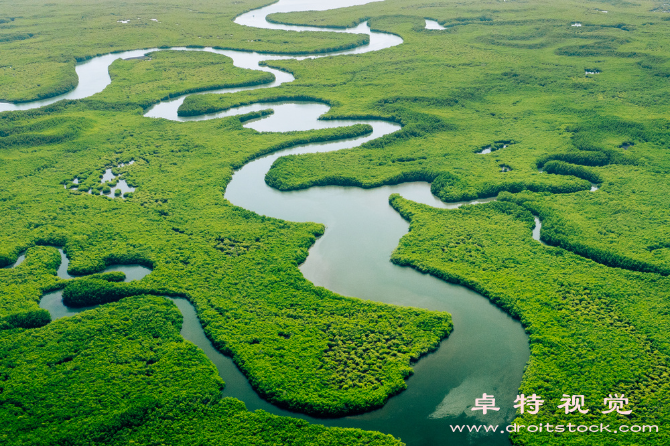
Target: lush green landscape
point(246, 298)
point(41, 43)
point(509, 75)
point(120, 375)
point(174, 73)
point(609, 324)
point(610, 127)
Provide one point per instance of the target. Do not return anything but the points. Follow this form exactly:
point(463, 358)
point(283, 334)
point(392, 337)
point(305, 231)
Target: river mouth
point(487, 351)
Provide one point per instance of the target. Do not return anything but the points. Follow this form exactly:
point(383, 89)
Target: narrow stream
point(53, 302)
point(487, 351)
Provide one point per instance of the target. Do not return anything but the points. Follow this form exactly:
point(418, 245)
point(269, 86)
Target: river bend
point(487, 350)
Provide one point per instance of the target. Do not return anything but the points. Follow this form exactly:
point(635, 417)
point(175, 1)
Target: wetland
point(324, 230)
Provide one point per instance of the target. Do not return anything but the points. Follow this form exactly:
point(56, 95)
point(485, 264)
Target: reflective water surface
point(487, 350)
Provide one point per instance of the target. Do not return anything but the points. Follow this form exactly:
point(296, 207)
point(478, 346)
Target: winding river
point(487, 351)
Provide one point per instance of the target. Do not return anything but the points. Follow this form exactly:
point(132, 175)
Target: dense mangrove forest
point(348, 197)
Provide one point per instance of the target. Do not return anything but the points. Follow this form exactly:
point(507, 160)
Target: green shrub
point(87, 292)
point(563, 168)
point(26, 319)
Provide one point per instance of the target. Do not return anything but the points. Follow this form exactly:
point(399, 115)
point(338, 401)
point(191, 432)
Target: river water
point(487, 351)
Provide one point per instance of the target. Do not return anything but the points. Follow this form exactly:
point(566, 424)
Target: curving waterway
point(53, 302)
point(487, 351)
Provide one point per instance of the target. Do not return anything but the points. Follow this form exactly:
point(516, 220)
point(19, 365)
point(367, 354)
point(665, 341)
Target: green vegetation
point(244, 301)
point(121, 374)
point(563, 168)
point(610, 325)
point(595, 304)
point(92, 291)
point(41, 43)
point(458, 92)
point(227, 422)
point(21, 288)
point(167, 74)
point(593, 328)
point(83, 375)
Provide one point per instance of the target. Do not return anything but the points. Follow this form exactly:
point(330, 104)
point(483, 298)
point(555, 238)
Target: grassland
point(503, 73)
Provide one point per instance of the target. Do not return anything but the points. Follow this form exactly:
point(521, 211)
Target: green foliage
point(122, 374)
point(256, 295)
point(325, 135)
point(87, 292)
point(205, 104)
point(585, 224)
point(22, 287)
point(255, 115)
point(613, 124)
point(588, 322)
point(610, 326)
point(504, 71)
point(113, 276)
point(586, 158)
point(26, 319)
point(226, 422)
point(64, 33)
point(98, 371)
point(563, 168)
point(166, 74)
point(41, 132)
